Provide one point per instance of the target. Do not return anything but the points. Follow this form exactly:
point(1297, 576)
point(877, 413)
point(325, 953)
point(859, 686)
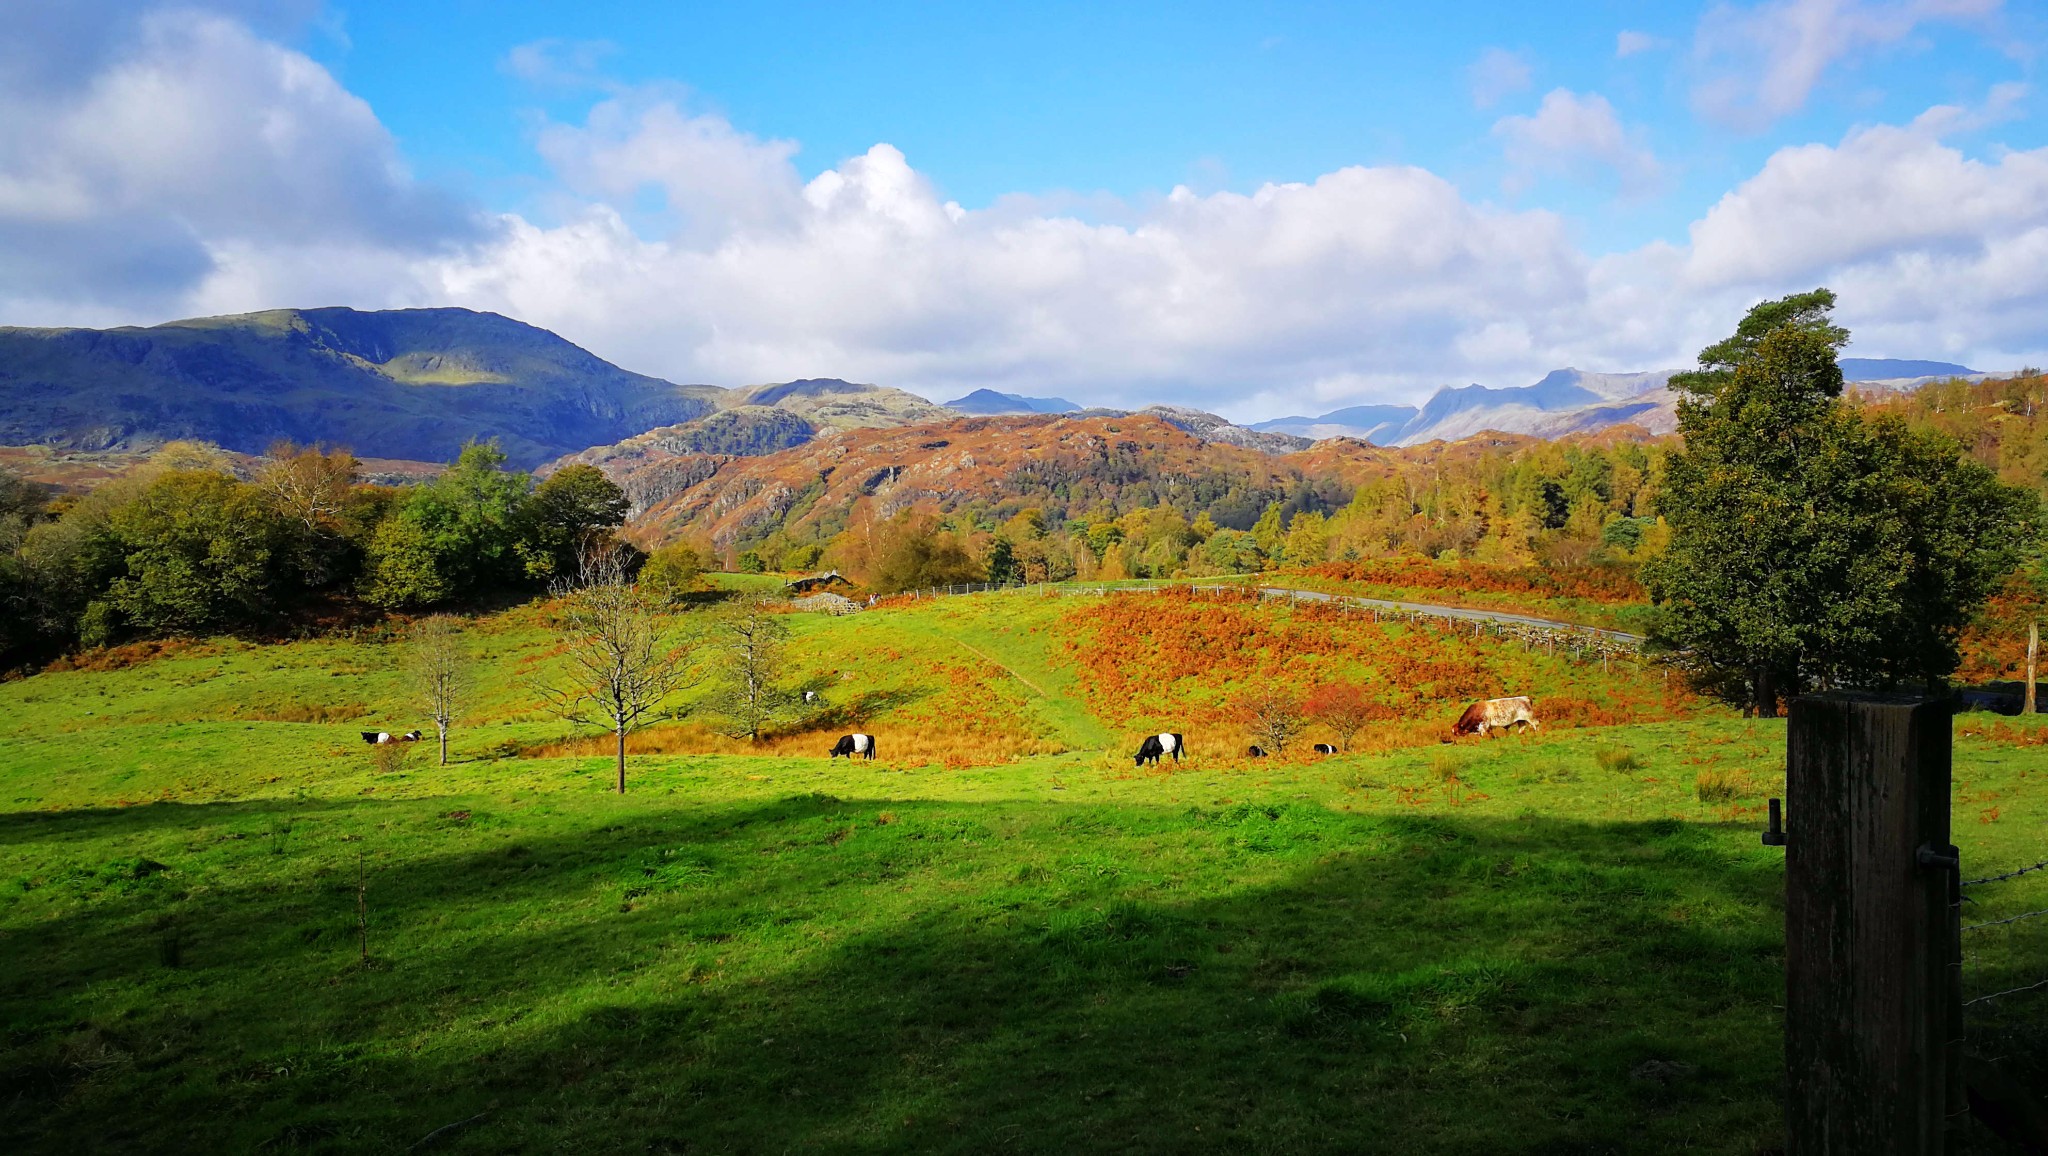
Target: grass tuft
point(1617, 760)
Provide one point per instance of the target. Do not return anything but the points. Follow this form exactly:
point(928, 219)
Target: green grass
point(1470, 949)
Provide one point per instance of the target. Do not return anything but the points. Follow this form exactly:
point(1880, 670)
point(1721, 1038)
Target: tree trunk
point(443, 728)
point(621, 732)
point(1766, 693)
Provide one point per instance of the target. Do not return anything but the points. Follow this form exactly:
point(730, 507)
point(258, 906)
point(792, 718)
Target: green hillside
point(998, 936)
point(407, 383)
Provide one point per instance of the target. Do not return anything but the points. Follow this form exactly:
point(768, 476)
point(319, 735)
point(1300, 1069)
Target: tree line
point(189, 546)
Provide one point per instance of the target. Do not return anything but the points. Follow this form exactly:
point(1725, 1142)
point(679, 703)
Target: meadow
point(227, 927)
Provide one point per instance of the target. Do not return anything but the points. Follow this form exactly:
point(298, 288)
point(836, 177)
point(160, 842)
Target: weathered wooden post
point(1871, 1012)
point(2033, 647)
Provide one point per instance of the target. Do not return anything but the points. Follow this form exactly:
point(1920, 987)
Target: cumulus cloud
point(1576, 136)
point(202, 168)
point(1496, 75)
point(193, 137)
point(1919, 239)
point(1209, 298)
point(1760, 63)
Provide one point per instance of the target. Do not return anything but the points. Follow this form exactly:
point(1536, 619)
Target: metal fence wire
point(2006, 921)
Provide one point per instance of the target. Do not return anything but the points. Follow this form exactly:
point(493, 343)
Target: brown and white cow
point(1495, 714)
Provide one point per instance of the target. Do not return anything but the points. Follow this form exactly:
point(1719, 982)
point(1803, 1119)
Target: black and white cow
point(1157, 745)
point(851, 745)
point(810, 696)
point(1325, 749)
point(388, 737)
point(1255, 752)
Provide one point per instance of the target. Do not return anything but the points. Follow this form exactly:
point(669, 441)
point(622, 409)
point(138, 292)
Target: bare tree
point(618, 669)
point(746, 645)
point(1273, 718)
point(439, 666)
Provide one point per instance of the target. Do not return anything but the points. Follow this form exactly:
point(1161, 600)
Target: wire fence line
point(2022, 989)
point(2008, 919)
point(2041, 866)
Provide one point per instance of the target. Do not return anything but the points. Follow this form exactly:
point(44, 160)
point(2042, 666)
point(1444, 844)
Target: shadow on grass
point(854, 976)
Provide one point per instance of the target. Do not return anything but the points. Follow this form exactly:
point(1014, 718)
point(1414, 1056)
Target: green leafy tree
point(403, 569)
point(1000, 561)
point(197, 550)
point(461, 533)
point(564, 512)
point(1809, 546)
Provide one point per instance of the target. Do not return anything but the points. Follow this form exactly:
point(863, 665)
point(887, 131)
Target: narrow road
point(1451, 612)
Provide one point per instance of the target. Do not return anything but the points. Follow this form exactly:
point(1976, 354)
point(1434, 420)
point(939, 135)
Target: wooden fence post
point(2033, 647)
point(1872, 1010)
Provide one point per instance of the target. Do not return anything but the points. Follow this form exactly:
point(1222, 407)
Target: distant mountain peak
point(983, 402)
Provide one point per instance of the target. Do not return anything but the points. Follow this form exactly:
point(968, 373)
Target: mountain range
point(414, 384)
point(1566, 401)
point(404, 383)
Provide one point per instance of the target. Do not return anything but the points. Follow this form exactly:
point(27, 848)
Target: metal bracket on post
point(1948, 858)
point(1774, 835)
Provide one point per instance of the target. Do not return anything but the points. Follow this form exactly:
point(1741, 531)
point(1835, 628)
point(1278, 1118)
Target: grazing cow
point(810, 696)
point(851, 745)
point(1157, 745)
point(1495, 714)
point(1255, 752)
point(388, 737)
point(1325, 749)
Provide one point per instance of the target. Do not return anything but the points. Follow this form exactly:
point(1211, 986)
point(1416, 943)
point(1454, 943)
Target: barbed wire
point(2041, 866)
point(2009, 991)
point(2008, 919)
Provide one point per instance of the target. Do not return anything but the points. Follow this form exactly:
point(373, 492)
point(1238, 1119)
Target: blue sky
point(1080, 98)
point(1252, 208)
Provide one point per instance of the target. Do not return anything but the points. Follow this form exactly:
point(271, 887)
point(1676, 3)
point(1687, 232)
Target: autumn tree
point(438, 665)
point(745, 646)
point(1273, 718)
point(1342, 707)
point(672, 571)
point(913, 550)
point(619, 668)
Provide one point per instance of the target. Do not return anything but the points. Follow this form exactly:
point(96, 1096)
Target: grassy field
point(1000, 936)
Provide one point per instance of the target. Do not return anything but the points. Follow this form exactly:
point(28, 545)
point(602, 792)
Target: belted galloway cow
point(854, 745)
point(1157, 745)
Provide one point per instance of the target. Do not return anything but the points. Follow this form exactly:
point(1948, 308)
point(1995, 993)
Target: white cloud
point(1761, 63)
point(1575, 136)
point(1496, 75)
point(193, 136)
point(1204, 299)
point(1627, 43)
point(1928, 248)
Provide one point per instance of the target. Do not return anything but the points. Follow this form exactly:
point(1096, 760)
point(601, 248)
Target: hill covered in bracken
point(1132, 495)
point(1064, 466)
